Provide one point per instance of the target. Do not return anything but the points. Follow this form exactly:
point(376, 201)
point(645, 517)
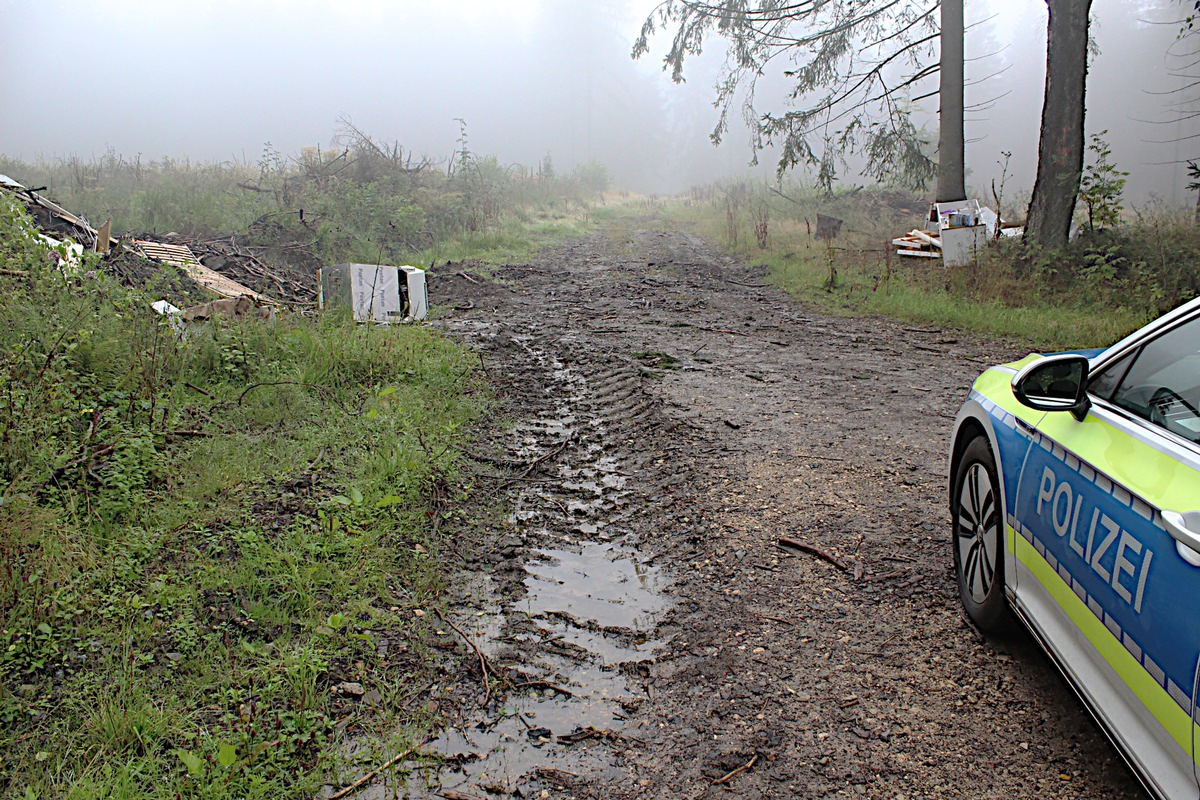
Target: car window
point(1159, 382)
point(1104, 383)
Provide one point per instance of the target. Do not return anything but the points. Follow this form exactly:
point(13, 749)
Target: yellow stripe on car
point(1173, 718)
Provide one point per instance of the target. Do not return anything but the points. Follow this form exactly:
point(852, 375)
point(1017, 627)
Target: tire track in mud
point(570, 621)
point(681, 417)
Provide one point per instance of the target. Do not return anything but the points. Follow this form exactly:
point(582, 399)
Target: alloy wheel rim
point(977, 531)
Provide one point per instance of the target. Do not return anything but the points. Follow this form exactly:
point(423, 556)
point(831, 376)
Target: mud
point(674, 417)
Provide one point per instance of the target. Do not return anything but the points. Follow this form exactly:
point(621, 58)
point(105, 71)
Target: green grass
point(201, 537)
point(925, 294)
point(1089, 297)
point(514, 241)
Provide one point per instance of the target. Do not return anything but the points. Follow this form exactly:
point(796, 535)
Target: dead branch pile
point(285, 272)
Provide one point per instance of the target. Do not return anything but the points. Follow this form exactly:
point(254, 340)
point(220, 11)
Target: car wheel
point(979, 537)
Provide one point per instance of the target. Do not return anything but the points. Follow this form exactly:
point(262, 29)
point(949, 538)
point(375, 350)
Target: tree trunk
point(952, 180)
point(1060, 150)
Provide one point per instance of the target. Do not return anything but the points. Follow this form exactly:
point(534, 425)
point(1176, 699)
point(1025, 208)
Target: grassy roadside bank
point(214, 548)
point(1090, 297)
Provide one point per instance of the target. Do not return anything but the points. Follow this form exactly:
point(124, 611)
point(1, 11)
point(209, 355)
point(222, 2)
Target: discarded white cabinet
point(165, 308)
point(962, 232)
point(375, 292)
point(961, 245)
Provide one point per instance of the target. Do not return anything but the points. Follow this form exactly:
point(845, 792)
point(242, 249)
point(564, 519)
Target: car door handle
point(1183, 529)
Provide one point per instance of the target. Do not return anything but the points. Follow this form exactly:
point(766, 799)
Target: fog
point(216, 81)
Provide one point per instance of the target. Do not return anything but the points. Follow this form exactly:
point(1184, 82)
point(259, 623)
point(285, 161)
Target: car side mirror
point(1055, 383)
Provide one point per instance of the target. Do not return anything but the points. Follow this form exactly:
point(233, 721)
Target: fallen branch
point(483, 665)
point(254, 386)
point(784, 196)
point(366, 778)
point(453, 794)
point(553, 774)
point(544, 685)
point(748, 285)
point(590, 732)
point(887, 576)
point(467, 277)
point(206, 417)
point(785, 541)
point(537, 462)
point(819, 458)
point(742, 768)
point(15, 273)
point(728, 331)
point(496, 462)
point(84, 460)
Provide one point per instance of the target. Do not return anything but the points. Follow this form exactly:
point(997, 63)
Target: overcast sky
point(215, 80)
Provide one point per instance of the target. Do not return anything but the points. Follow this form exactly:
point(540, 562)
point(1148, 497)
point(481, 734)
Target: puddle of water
point(601, 583)
point(590, 594)
point(608, 651)
point(598, 597)
point(497, 753)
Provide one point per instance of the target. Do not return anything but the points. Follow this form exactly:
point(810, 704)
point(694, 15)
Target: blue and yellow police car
point(1075, 500)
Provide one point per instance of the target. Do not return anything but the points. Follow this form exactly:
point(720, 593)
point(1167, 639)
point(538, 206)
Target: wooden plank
point(180, 255)
point(926, 238)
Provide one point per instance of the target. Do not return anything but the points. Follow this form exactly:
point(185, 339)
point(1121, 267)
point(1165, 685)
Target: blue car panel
point(1108, 585)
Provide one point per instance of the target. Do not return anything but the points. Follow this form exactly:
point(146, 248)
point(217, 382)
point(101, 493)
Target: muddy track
point(676, 417)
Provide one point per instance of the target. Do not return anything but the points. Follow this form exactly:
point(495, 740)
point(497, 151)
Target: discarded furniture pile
point(241, 278)
point(956, 232)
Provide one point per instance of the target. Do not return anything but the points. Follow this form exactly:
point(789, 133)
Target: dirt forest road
point(677, 417)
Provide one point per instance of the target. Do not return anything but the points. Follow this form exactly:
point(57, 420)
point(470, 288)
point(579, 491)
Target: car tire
point(978, 536)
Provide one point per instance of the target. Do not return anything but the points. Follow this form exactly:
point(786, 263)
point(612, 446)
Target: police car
point(1075, 499)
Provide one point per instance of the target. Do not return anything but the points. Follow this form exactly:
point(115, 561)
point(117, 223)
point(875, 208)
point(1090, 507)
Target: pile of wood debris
point(918, 244)
point(222, 267)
